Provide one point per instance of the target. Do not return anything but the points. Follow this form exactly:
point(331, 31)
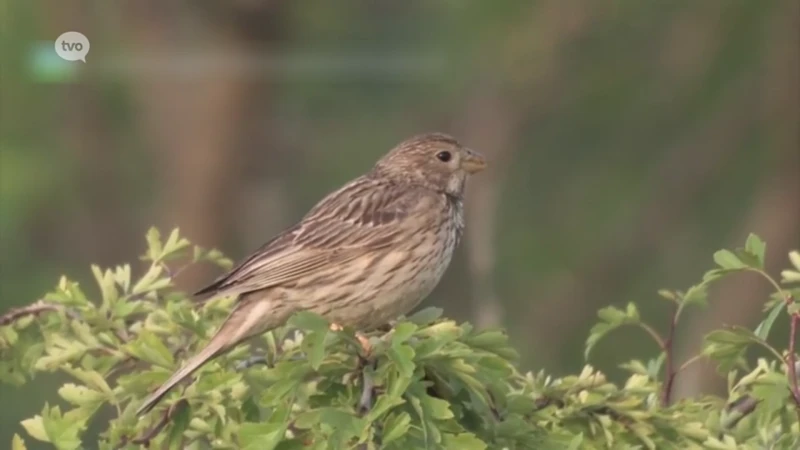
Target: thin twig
point(654, 334)
point(690, 361)
point(670, 371)
point(368, 386)
point(791, 357)
point(34, 309)
point(165, 418)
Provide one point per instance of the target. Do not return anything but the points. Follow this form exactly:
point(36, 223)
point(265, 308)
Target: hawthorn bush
point(428, 383)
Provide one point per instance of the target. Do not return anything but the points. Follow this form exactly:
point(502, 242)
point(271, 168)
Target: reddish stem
point(792, 359)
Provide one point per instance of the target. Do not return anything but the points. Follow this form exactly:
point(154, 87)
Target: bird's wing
point(363, 216)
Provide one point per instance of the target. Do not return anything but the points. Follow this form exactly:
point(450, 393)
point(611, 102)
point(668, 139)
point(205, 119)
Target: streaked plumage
point(364, 255)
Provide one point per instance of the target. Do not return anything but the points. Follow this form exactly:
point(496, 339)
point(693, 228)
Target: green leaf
point(105, 280)
point(438, 408)
point(715, 274)
point(696, 295)
point(382, 405)
point(728, 260)
point(611, 315)
point(308, 321)
point(261, 436)
point(668, 295)
point(576, 442)
point(314, 346)
point(611, 319)
point(285, 386)
point(179, 423)
point(771, 389)
point(402, 332)
point(790, 276)
point(635, 366)
point(632, 312)
point(463, 441)
point(91, 378)
point(35, 427)
point(51, 427)
point(17, 443)
point(426, 316)
point(122, 276)
point(145, 284)
point(250, 410)
point(728, 346)
point(756, 247)
point(175, 243)
point(154, 248)
point(81, 395)
point(794, 257)
point(395, 426)
point(403, 356)
point(763, 329)
point(430, 433)
point(214, 256)
point(148, 347)
point(344, 423)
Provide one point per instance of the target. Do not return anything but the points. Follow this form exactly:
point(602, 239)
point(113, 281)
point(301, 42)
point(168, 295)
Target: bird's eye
point(444, 156)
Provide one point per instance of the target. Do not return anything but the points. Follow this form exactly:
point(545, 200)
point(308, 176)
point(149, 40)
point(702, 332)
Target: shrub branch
point(670, 372)
point(34, 309)
point(791, 357)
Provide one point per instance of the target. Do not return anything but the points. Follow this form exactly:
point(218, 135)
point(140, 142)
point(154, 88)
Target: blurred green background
point(628, 139)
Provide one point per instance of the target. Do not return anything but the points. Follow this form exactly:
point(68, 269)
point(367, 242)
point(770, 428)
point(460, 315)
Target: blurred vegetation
point(629, 140)
point(426, 383)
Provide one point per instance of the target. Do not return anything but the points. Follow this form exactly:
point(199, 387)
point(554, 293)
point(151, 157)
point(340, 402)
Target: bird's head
point(434, 160)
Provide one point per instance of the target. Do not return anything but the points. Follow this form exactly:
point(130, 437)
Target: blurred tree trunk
point(675, 181)
point(102, 212)
point(194, 116)
point(774, 216)
point(487, 126)
point(520, 89)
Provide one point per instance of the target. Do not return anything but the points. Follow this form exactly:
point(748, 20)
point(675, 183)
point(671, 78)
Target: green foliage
point(428, 382)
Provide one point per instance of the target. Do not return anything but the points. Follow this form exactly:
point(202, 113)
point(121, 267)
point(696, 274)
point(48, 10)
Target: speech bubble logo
point(72, 46)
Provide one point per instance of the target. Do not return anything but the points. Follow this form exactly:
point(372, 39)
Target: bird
point(364, 255)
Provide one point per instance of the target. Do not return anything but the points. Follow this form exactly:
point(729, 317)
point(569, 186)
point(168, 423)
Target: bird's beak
point(473, 161)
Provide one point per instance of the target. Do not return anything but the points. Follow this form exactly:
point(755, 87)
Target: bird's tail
point(251, 316)
point(212, 350)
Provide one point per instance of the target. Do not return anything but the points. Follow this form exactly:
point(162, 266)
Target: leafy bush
point(428, 382)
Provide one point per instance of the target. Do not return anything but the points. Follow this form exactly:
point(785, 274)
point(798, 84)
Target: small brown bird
point(364, 255)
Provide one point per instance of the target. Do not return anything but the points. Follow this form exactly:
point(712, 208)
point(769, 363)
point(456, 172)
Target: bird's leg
point(364, 341)
point(368, 387)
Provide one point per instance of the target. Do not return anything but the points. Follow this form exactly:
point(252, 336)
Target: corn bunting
point(365, 254)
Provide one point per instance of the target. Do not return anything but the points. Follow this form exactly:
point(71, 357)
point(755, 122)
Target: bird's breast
point(388, 282)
